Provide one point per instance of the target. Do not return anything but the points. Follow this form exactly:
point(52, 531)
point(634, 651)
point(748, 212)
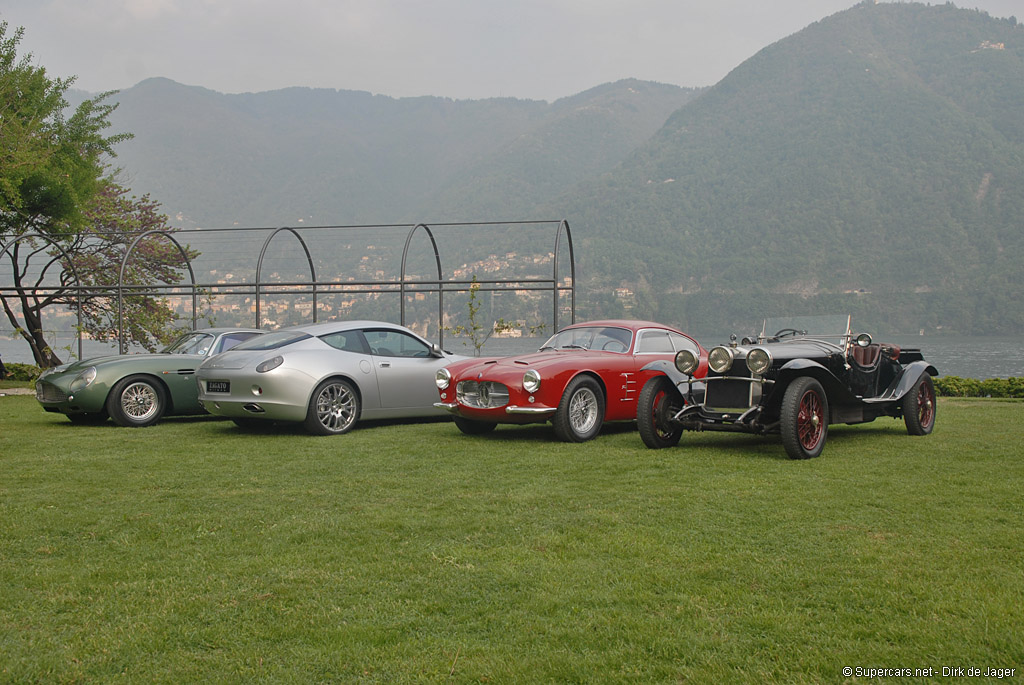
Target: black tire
point(804, 418)
point(137, 401)
point(333, 408)
point(471, 427)
point(580, 412)
point(919, 407)
point(659, 400)
point(88, 419)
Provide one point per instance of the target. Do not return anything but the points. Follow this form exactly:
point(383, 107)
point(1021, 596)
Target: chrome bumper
point(453, 408)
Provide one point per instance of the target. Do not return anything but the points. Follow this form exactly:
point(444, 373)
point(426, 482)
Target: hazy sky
point(540, 49)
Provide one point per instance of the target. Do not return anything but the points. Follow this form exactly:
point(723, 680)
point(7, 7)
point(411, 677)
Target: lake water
point(968, 357)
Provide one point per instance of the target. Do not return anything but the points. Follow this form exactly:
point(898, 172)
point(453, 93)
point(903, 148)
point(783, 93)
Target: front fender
point(669, 369)
point(835, 390)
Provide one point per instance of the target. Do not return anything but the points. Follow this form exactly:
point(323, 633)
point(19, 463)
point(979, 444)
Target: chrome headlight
point(687, 362)
point(442, 378)
point(270, 364)
point(720, 359)
point(83, 380)
point(531, 381)
point(759, 360)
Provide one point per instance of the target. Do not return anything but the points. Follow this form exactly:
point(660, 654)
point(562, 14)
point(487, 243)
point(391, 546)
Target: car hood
point(520, 363)
point(170, 360)
point(802, 349)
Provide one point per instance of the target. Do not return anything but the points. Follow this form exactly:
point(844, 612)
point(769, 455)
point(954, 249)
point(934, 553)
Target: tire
point(804, 418)
point(137, 401)
point(659, 400)
point(333, 408)
point(471, 427)
point(919, 407)
point(580, 413)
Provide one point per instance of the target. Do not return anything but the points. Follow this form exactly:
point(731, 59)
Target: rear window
point(272, 341)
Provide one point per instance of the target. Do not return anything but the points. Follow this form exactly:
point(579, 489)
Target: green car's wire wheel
point(136, 401)
point(333, 408)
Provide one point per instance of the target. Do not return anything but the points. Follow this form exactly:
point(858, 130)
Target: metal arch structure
point(259, 269)
point(440, 289)
point(74, 272)
point(121, 346)
point(563, 224)
point(402, 286)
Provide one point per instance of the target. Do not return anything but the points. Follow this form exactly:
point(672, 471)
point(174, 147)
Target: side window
point(231, 339)
point(347, 341)
point(681, 342)
point(385, 343)
point(654, 342)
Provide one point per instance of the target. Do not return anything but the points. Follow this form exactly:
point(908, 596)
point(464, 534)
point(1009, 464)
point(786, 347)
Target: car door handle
point(385, 365)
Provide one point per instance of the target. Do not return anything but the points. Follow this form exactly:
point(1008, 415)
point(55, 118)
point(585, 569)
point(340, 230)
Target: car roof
point(632, 324)
point(317, 329)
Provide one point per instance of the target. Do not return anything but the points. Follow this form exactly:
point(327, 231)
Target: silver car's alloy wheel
point(583, 410)
point(139, 401)
point(336, 407)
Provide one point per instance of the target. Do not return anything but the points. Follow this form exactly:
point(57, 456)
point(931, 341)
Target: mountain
point(346, 157)
point(873, 162)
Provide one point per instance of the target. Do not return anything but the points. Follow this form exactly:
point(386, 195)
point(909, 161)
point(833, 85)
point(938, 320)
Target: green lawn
point(195, 551)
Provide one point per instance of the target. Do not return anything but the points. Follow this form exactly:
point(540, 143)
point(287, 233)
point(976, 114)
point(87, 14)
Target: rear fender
point(912, 373)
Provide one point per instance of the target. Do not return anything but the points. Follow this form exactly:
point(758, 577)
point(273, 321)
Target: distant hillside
point(344, 157)
point(873, 162)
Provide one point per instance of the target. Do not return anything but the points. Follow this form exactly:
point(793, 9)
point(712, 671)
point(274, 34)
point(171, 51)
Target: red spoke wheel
point(919, 407)
point(804, 419)
point(658, 402)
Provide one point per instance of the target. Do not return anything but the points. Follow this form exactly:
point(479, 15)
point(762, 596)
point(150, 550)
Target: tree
point(476, 331)
point(55, 182)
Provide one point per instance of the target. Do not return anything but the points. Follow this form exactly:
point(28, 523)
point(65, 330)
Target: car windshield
point(606, 338)
point(833, 328)
point(191, 343)
point(272, 341)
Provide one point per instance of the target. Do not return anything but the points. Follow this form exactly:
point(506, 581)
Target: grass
point(195, 551)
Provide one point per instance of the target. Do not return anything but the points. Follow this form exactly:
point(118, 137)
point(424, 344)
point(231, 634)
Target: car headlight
point(531, 381)
point(687, 362)
point(270, 364)
point(759, 360)
point(442, 378)
point(83, 380)
point(720, 359)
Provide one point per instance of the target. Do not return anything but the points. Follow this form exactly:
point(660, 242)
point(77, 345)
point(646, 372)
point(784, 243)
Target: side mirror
point(863, 340)
point(436, 351)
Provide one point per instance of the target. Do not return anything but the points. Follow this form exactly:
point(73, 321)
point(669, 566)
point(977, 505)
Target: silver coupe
point(326, 376)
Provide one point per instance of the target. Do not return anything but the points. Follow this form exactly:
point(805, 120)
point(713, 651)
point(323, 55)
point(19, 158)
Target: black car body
point(795, 378)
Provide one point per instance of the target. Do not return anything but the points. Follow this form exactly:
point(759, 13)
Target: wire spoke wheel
point(919, 407)
point(580, 413)
point(804, 418)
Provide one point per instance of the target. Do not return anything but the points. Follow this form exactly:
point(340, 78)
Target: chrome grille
point(45, 392)
point(482, 394)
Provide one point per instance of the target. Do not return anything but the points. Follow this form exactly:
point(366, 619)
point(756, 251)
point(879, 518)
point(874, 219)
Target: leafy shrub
point(22, 372)
point(954, 386)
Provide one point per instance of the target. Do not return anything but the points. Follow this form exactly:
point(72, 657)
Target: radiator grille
point(483, 394)
point(45, 392)
point(727, 394)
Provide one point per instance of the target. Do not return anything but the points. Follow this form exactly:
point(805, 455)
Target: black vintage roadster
point(796, 377)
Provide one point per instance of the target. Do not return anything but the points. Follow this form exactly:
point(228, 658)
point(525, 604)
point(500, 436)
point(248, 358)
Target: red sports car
point(584, 375)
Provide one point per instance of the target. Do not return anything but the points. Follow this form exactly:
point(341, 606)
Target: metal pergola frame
point(258, 288)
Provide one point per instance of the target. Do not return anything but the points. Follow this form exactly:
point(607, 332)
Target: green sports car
point(136, 389)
